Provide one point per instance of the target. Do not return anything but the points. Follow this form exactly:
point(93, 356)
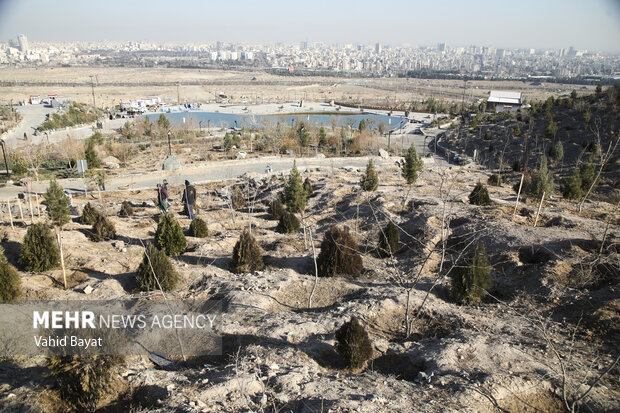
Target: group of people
point(188, 199)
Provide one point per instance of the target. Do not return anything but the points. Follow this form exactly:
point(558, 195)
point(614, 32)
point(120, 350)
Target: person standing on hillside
point(162, 199)
point(166, 187)
point(189, 199)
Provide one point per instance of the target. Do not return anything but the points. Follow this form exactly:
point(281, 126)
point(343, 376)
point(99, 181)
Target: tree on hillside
point(353, 344)
point(383, 128)
point(127, 130)
point(542, 180)
point(479, 195)
point(97, 138)
point(587, 172)
point(163, 122)
point(471, 281)
point(303, 136)
point(92, 159)
point(344, 138)
point(599, 90)
point(550, 130)
point(572, 187)
point(59, 214)
point(147, 126)
point(605, 158)
point(10, 282)
point(322, 137)
point(557, 152)
point(294, 196)
point(413, 164)
point(247, 254)
point(389, 240)
point(370, 179)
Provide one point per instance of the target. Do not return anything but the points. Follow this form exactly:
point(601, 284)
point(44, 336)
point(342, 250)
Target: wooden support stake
point(316, 269)
point(539, 208)
point(30, 208)
point(36, 198)
point(21, 211)
point(8, 204)
point(62, 258)
point(518, 194)
point(303, 223)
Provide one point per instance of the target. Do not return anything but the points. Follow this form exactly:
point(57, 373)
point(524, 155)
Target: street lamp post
point(200, 125)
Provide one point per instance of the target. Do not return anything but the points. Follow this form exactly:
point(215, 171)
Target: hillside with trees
point(573, 132)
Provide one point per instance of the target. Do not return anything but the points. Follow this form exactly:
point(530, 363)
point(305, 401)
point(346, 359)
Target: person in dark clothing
point(162, 198)
point(189, 199)
point(166, 186)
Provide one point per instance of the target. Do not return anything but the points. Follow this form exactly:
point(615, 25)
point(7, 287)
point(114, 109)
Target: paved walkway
point(213, 172)
point(34, 115)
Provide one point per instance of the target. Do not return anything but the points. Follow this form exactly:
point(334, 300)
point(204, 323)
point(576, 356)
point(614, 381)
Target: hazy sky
point(593, 24)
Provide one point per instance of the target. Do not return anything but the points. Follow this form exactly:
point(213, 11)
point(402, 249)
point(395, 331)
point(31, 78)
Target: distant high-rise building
point(500, 53)
point(378, 48)
point(304, 45)
point(441, 47)
point(23, 43)
point(219, 45)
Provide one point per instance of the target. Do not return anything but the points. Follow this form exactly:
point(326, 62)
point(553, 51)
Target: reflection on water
point(228, 120)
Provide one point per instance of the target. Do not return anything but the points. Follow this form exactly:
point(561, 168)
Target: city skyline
point(552, 25)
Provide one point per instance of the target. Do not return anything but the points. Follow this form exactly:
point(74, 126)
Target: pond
point(196, 119)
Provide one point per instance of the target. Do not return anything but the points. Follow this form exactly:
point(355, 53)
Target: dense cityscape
point(304, 58)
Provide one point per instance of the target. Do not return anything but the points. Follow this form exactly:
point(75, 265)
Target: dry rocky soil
point(551, 316)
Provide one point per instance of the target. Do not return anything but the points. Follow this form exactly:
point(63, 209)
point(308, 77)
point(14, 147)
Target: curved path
point(34, 115)
point(208, 172)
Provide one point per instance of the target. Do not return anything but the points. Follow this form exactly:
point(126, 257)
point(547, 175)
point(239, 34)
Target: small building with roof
point(500, 100)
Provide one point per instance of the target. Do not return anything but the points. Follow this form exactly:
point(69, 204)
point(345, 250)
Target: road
point(213, 172)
